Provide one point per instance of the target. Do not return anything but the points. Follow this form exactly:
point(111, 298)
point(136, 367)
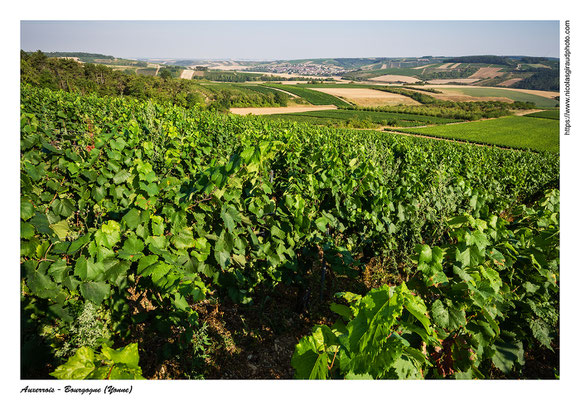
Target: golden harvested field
point(463, 97)
point(187, 74)
point(423, 66)
point(445, 66)
point(293, 82)
point(455, 66)
point(368, 97)
point(543, 93)
point(456, 80)
point(452, 95)
point(395, 78)
point(510, 82)
point(487, 72)
point(278, 110)
point(539, 66)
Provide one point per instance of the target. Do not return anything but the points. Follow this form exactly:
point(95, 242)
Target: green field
point(311, 96)
point(549, 114)
point(243, 95)
point(366, 74)
point(516, 132)
point(261, 89)
point(510, 94)
point(330, 117)
point(336, 85)
point(146, 71)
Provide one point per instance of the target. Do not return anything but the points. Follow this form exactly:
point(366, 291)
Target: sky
point(276, 40)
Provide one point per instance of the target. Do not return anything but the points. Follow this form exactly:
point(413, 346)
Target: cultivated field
point(487, 72)
point(454, 80)
point(423, 66)
point(482, 93)
point(394, 79)
point(549, 114)
point(538, 134)
point(539, 66)
point(357, 118)
point(187, 74)
point(368, 97)
point(445, 66)
point(312, 96)
point(510, 82)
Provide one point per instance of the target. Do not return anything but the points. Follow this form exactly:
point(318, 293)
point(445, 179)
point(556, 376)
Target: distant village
point(328, 70)
point(301, 69)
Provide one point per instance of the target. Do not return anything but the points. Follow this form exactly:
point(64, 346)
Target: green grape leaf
point(96, 292)
point(507, 354)
point(352, 376)
point(128, 355)
point(79, 243)
point(342, 310)
point(61, 229)
point(109, 234)
point(440, 314)
point(89, 270)
point(26, 209)
point(132, 218)
point(26, 230)
point(121, 176)
point(79, 366)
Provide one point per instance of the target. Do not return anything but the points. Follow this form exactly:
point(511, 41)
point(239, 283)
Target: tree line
point(40, 70)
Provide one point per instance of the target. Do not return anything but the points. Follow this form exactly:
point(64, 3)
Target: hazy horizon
point(292, 40)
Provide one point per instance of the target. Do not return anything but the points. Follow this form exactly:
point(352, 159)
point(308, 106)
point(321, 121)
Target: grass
point(330, 117)
point(510, 94)
point(549, 114)
point(516, 132)
point(146, 71)
point(311, 96)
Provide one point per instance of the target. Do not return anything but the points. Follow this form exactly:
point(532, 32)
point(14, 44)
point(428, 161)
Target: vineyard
point(402, 258)
point(371, 118)
point(311, 96)
point(538, 133)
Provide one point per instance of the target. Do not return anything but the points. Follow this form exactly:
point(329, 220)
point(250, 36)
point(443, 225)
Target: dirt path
point(525, 112)
point(278, 110)
point(283, 91)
